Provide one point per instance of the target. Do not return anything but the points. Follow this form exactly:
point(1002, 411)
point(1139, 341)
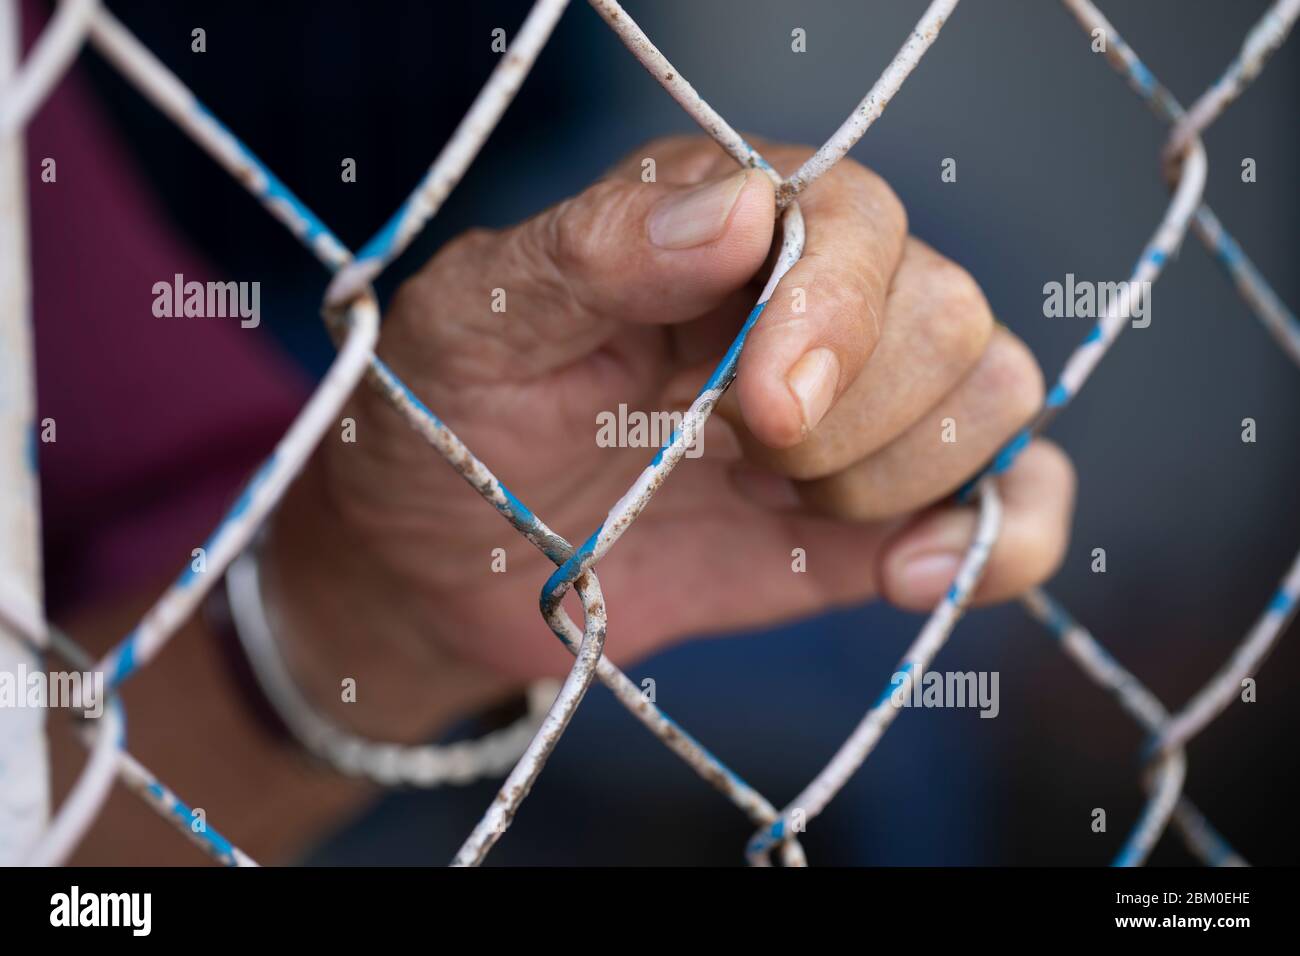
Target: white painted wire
point(49, 59)
point(87, 796)
point(349, 304)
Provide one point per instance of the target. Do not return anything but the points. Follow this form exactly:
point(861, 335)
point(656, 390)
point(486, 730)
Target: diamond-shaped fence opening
point(352, 316)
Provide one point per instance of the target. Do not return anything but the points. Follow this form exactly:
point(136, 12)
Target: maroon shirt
point(158, 420)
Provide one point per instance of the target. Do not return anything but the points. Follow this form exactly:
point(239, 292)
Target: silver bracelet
point(383, 762)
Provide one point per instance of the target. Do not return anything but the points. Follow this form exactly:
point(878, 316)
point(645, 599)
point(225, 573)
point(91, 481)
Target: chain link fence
point(351, 314)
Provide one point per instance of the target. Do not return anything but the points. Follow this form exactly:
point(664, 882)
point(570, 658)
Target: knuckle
point(962, 322)
point(841, 289)
point(550, 254)
point(874, 197)
point(568, 236)
point(1013, 376)
point(848, 301)
point(957, 286)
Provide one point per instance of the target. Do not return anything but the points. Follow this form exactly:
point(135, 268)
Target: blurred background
point(1057, 172)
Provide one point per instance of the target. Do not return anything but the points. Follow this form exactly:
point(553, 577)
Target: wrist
point(357, 640)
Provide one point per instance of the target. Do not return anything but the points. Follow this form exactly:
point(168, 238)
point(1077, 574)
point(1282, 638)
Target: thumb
point(650, 252)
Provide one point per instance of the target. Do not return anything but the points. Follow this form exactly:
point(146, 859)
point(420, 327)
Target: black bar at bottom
point(371, 906)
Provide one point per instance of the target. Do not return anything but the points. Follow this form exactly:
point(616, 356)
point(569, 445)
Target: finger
point(920, 563)
point(824, 319)
point(937, 324)
point(621, 250)
point(945, 446)
point(647, 252)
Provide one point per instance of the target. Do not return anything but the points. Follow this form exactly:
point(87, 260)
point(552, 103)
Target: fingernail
point(696, 216)
point(925, 577)
point(924, 564)
point(813, 379)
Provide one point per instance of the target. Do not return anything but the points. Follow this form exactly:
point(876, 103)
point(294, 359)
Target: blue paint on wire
point(722, 376)
point(378, 246)
point(124, 658)
point(905, 670)
point(1281, 603)
point(275, 189)
point(1144, 77)
point(1011, 451)
point(1228, 252)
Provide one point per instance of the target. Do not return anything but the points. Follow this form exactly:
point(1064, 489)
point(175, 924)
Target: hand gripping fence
point(351, 314)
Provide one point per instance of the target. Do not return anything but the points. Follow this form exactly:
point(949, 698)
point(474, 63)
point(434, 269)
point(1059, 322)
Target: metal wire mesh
point(352, 316)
